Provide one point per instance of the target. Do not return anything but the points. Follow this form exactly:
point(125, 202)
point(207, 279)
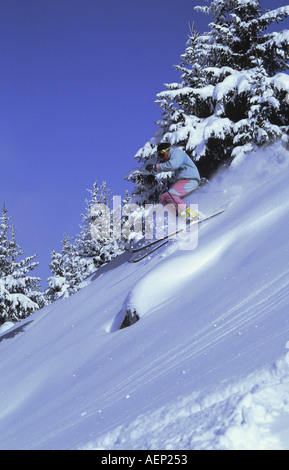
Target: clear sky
point(78, 81)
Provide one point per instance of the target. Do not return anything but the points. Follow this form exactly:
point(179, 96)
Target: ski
point(149, 244)
point(167, 238)
point(139, 258)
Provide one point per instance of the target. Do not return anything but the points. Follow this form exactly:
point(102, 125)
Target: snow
point(240, 81)
point(280, 81)
point(211, 126)
point(281, 11)
point(205, 367)
point(6, 326)
point(204, 92)
point(279, 38)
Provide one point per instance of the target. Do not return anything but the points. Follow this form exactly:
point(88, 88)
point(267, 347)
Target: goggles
point(162, 152)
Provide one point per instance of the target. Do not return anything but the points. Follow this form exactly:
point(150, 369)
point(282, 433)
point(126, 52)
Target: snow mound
point(6, 326)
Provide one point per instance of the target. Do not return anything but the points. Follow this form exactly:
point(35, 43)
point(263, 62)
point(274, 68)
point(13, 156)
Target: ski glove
point(151, 167)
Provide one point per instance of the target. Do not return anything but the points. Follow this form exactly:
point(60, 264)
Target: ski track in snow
point(239, 417)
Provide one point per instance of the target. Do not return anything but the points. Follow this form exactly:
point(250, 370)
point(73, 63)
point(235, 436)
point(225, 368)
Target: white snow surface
point(205, 366)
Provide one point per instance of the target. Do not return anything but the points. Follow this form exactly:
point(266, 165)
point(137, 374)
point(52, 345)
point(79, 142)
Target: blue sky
point(78, 82)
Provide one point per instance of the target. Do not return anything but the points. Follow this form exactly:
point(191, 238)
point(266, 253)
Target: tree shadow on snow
point(114, 263)
point(11, 333)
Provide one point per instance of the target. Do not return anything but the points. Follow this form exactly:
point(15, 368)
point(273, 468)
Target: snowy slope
point(204, 368)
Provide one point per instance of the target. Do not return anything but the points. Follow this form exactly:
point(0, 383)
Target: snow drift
point(204, 368)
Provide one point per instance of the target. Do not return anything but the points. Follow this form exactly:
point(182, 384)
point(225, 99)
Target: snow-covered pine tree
point(94, 246)
point(231, 97)
point(20, 293)
point(97, 242)
point(68, 270)
point(88, 246)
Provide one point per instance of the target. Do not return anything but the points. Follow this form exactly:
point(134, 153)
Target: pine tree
point(68, 271)
point(20, 293)
point(97, 242)
point(96, 245)
point(232, 95)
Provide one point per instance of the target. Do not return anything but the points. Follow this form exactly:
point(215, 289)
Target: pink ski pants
point(177, 192)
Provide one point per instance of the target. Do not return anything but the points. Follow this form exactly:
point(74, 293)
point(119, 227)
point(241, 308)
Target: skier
point(187, 177)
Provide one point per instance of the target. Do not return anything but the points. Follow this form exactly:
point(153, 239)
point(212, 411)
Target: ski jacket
point(181, 163)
